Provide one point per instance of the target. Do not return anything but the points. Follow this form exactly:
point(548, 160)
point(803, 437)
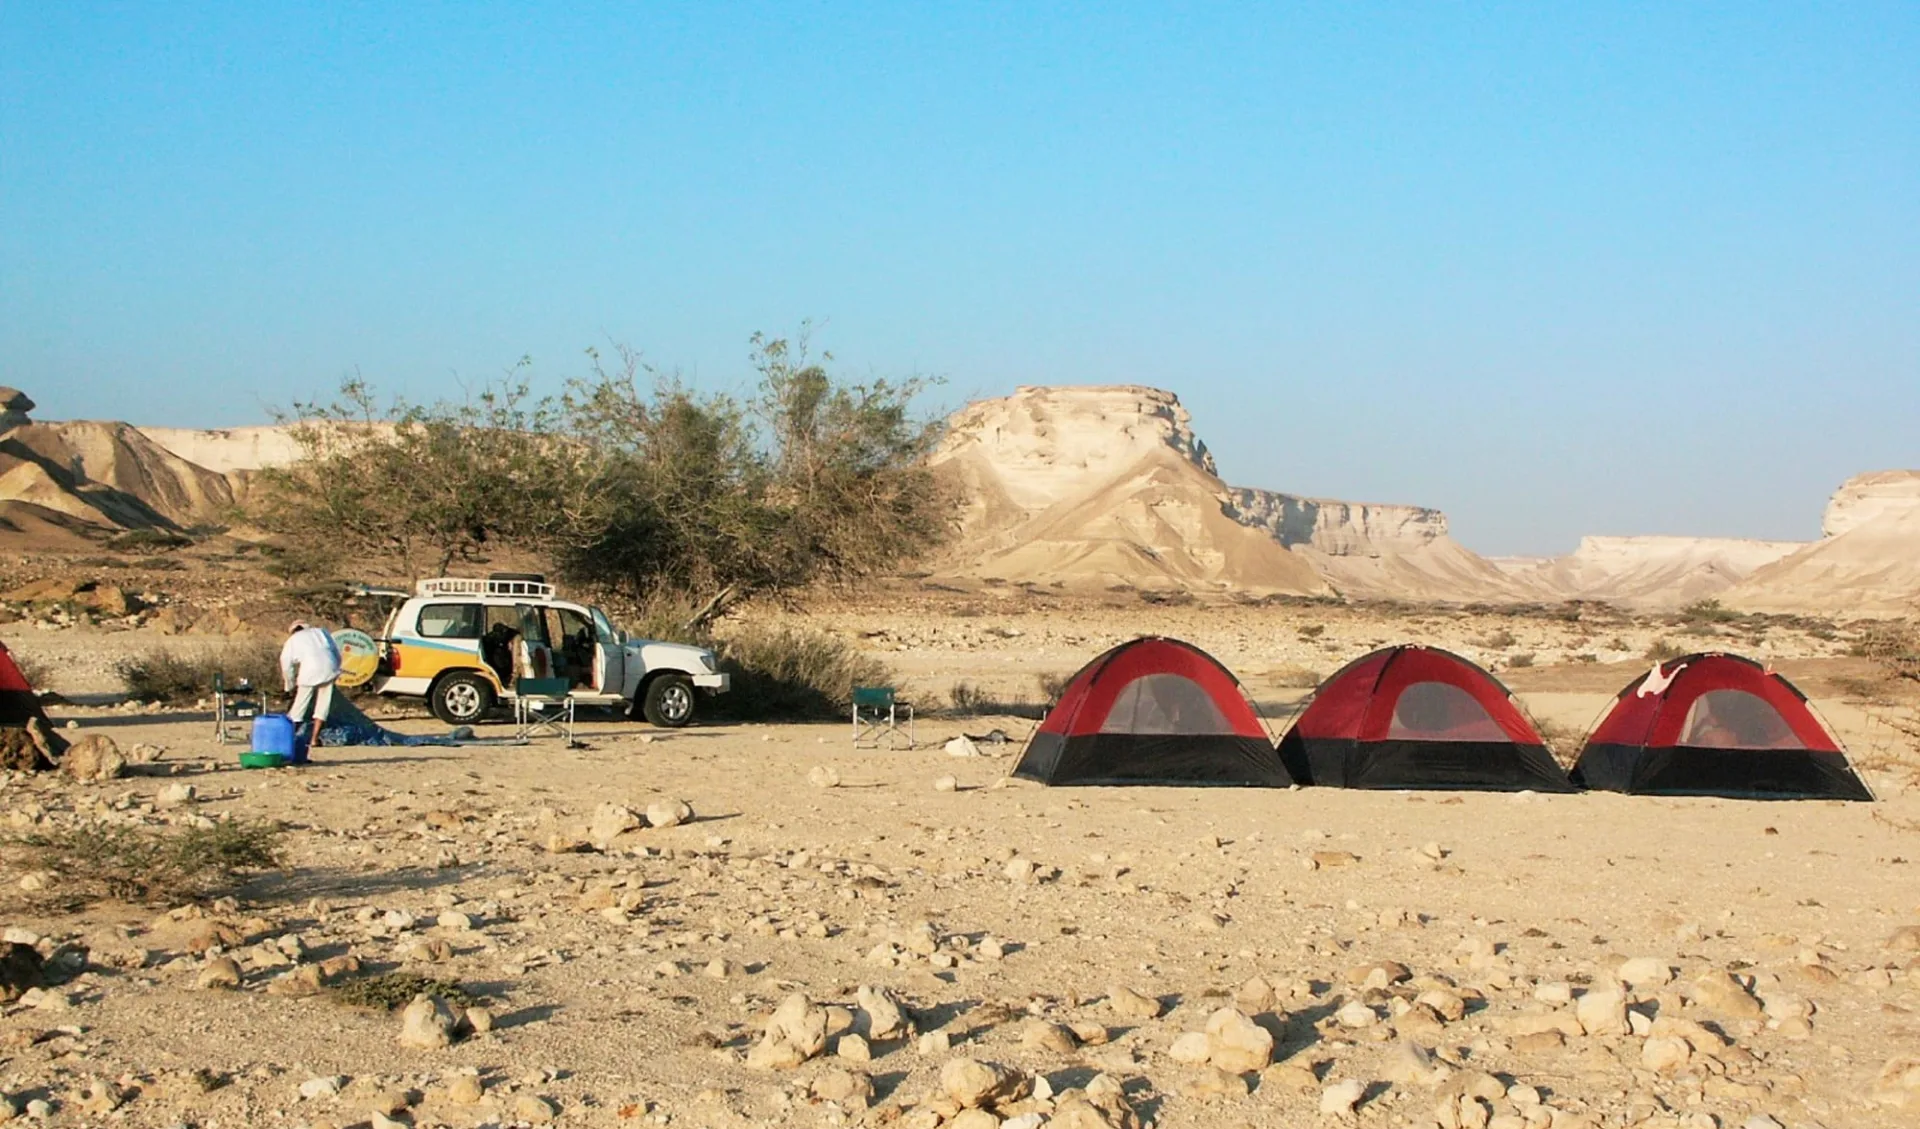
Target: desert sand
point(1764, 954)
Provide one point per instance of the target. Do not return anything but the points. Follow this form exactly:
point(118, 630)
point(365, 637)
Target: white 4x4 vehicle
point(463, 643)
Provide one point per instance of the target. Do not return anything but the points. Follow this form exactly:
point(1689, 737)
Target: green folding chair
point(880, 717)
point(543, 705)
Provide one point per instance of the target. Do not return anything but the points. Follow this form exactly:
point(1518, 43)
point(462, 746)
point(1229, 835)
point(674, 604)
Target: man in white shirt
point(309, 666)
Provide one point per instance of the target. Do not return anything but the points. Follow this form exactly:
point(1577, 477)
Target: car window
point(449, 621)
point(603, 628)
point(573, 625)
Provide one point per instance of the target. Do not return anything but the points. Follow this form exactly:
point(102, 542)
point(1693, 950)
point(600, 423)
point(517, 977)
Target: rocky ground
point(841, 936)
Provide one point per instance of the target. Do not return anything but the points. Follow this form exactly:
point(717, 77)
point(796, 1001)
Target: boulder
point(1236, 1043)
point(93, 758)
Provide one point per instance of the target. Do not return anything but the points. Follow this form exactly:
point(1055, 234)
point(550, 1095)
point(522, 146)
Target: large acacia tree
point(631, 481)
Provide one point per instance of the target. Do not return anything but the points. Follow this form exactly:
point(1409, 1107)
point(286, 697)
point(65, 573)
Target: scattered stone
point(1720, 992)
point(220, 972)
point(93, 758)
point(669, 813)
point(853, 1048)
point(1905, 939)
point(885, 1018)
point(1191, 1048)
point(1129, 1004)
point(1898, 1083)
point(1041, 1035)
point(1340, 1098)
point(609, 822)
point(1603, 1011)
point(823, 776)
point(962, 746)
point(974, 1084)
point(945, 784)
point(1645, 972)
point(313, 1089)
point(466, 1089)
point(534, 1109)
point(1356, 1016)
point(795, 1032)
point(847, 1087)
point(177, 794)
point(1236, 1043)
point(428, 1023)
point(1212, 1082)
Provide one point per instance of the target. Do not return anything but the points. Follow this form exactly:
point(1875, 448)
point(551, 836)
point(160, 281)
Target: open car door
point(609, 656)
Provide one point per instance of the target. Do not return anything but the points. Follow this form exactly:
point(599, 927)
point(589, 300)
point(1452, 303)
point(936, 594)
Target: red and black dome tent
point(1415, 717)
point(1716, 725)
point(1153, 711)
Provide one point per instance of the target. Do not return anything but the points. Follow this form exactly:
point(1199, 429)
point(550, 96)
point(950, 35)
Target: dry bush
point(793, 674)
point(33, 670)
point(1663, 650)
point(1294, 676)
point(1563, 741)
point(968, 700)
point(1311, 630)
point(1052, 685)
point(1520, 659)
point(145, 864)
point(173, 677)
point(1893, 645)
point(389, 990)
point(1499, 640)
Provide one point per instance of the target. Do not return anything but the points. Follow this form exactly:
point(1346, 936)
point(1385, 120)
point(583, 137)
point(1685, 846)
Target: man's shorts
point(310, 702)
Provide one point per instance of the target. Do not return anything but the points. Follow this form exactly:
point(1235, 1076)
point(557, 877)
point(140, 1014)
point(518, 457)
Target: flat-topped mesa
point(1868, 497)
point(226, 450)
point(1340, 529)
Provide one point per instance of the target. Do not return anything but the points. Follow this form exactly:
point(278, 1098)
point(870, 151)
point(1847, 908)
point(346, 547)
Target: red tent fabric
point(1417, 717)
point(1152, 711)
point(18, 702)
point(1715, 724)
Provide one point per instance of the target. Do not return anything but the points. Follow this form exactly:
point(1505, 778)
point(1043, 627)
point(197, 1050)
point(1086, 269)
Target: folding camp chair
point(234, 706)
point(877, 717)
point(543, 705)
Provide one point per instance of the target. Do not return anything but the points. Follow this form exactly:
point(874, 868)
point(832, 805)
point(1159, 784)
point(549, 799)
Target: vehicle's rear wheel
point(461, 699)
point(668, 701)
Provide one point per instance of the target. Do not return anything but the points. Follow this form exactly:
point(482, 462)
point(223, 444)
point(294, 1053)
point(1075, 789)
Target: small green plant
point(1702, 612)
point(1311, 630)
point(1662, 650)
point(145, 864)
point(175, 677)
point(389, 990)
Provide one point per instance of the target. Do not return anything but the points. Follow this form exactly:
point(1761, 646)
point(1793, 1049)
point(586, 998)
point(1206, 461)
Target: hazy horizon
point(1553, 272)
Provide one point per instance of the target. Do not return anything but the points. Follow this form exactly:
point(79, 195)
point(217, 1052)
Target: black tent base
point(1143, 759)
point(1735, 774)
point(1492, 766)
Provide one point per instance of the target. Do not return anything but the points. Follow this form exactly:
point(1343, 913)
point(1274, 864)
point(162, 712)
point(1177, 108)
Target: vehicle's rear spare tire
point(461, 699)
point(668, 701)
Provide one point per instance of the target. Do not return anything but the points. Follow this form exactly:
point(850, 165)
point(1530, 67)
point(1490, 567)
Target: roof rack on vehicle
point(500, 584)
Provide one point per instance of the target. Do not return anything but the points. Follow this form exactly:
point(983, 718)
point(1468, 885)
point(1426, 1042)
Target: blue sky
point(1556, 269)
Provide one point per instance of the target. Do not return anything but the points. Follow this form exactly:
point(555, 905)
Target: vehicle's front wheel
point(668, 701)
point(461, 699)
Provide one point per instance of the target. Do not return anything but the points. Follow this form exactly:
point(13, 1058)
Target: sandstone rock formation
point(229, 450)
point(1868, 561)
point(1650, 572)
point(93, 475)
point(1091, 487)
